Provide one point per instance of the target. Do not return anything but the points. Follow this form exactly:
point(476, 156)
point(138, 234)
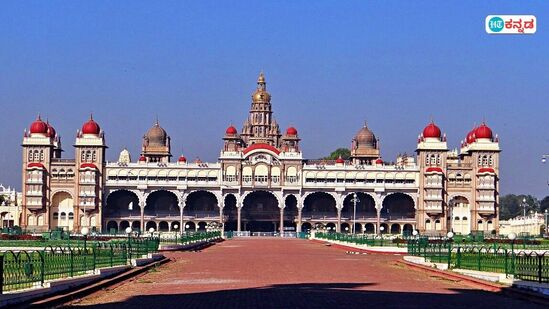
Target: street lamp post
point(512, 237)
point(129, 232)
point(415, 242)
point(85, 231)
point(66, 232)
point(544, 160)
point(84, 208)
point(451, 204)
point(175, 227)
point(546, 228)
point(524, 215)
point(381, 228)
point(354, 200)
point(450, 235)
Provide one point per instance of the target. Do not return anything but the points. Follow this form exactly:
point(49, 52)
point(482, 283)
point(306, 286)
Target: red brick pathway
point(290, 273)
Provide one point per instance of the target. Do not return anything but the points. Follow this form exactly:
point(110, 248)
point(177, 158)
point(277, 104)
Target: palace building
point(261, 182)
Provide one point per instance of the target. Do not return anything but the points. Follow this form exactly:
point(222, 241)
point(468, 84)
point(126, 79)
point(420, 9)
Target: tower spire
point(261, 84)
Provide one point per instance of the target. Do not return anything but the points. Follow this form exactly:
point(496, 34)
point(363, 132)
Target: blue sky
point(330, 65)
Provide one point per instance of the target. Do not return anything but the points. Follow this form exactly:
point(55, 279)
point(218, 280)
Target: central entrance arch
point(260, 212)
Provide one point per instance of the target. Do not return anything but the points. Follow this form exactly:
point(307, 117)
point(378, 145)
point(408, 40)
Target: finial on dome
point(91, 116)
point(261, 84)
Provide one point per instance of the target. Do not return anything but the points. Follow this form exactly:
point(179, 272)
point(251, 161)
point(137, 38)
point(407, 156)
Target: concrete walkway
point(290, 273)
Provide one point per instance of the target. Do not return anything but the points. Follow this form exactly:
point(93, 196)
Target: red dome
point(483, 131)
point(142, 159)
point(91, 127)
point(231, 130)
point(471, 136)
point(340, 160)
point(182, 159)
point(39, 126)
point(51, 130)
point(291, 131)
point(431, 130)
point(379, 161)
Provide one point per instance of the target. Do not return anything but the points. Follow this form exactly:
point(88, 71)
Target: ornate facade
point(261, 182)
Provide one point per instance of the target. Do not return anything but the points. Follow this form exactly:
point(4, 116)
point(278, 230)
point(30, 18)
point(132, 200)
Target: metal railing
point(363, 239)
point(301, 235)
point(188, 237)
point(531, 266)
point(31, 268)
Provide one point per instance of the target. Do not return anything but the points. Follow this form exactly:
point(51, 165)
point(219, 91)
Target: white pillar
point(238, 223)
point(281, 220)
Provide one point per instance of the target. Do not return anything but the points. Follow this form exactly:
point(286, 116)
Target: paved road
point(290, 273)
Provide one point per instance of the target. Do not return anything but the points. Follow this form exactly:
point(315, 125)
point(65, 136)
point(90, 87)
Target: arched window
point(63, 216)
point(55, 216)
point(71, 216)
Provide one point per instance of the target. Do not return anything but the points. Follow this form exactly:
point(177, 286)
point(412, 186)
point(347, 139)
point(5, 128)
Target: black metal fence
point(525, 265)
point(31, 268)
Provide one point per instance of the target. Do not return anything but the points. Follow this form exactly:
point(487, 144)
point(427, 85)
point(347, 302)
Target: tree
point(544, 204)
point(343, 152)
point(510, 205)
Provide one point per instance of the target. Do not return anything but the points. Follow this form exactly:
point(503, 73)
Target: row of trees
point(511, 205)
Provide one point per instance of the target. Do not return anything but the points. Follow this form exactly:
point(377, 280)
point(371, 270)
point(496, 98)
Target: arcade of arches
point(259, 211)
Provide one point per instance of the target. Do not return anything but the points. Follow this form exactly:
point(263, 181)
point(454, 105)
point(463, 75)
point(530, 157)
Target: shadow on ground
point(322, 295)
